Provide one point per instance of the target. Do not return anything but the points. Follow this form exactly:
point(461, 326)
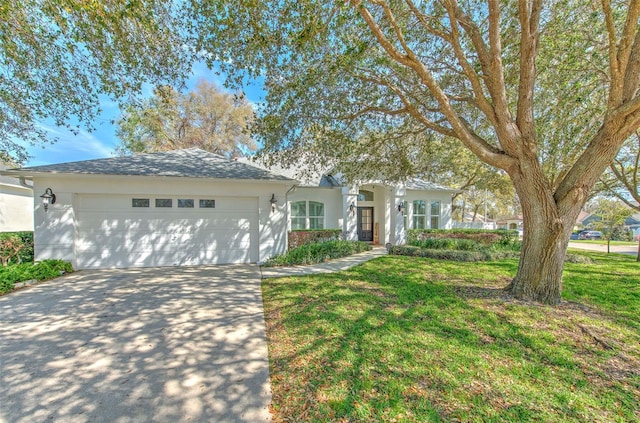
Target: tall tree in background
point(519, 83)
point(612, 214)
point(206, 118)
point(57, 57)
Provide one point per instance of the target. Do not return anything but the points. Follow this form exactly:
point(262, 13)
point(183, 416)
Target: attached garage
point(176, 208)
point(138, 231)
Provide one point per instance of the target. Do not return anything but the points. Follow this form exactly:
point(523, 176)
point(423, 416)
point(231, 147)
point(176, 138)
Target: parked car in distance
point(590, 235)
point(574, 235)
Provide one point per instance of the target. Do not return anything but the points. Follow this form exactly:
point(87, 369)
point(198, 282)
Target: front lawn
point(409, 339)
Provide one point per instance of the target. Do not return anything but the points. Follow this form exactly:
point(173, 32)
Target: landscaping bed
point(13, 274)
point(318, 252)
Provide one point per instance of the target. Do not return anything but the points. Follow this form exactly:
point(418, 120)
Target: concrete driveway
point(137, 345)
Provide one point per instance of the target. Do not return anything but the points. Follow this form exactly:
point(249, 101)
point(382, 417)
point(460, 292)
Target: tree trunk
point(539, 276)
point(544, 244)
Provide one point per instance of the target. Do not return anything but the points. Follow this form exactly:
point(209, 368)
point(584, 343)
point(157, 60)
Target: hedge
point(453, 255)
point(303, 237)
point(483, 236)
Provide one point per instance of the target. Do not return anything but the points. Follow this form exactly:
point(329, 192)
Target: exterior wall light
point(401, 208)
point(48, 198)
point(352, 209)
point(273, 202)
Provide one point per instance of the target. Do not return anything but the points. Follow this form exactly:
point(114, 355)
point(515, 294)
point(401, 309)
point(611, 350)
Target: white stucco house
point(191, 207)
point(16, 205)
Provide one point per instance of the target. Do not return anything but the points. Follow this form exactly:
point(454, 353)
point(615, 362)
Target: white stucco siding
point(16, 208)
point(94, 225)
point(330, 197)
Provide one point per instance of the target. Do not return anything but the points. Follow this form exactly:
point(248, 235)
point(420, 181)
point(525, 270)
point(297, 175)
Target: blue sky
point(102, 141)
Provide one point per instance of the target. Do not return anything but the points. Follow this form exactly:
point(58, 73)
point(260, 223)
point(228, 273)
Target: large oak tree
point(519, 83)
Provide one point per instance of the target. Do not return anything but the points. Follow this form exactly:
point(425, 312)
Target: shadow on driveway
point(136, 345)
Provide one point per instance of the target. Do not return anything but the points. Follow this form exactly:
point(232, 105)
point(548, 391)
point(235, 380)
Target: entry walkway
point(329, 267)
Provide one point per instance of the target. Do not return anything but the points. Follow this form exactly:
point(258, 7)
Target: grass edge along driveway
point(403, 339)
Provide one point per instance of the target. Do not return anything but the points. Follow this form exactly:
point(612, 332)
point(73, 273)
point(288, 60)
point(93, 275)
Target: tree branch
point(529, 25)
point(479, 146)
point(476, 84)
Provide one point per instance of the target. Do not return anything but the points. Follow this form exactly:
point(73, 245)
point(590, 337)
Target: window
point(316, 215)
point(185, 203)
point(307, 215)
point(298, 215)
point(164, 202)
point(207, 204)
point(419, 214)
point(364, 195)
point(435, 214)
point(139, 202)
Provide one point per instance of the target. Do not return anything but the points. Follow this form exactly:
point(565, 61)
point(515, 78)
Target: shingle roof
point(190, 163)
point(421, 184)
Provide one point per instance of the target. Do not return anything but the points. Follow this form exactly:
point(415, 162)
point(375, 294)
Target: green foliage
point(58, 57)
point(44, 270)
point(306, 236)
point(206, 118)
point(318, 253)
point(16, 247)
point(440, 254)
point(482, 236)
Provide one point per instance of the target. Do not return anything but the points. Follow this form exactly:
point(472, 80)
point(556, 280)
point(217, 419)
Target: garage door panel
point(142, 237)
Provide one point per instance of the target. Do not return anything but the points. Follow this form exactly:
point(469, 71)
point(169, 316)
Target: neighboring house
point(511, 222)
point(191, 207)
point(16, 205)
point(633, 224)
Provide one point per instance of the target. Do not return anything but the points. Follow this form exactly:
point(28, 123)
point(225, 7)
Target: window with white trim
point(307, 215)
point(419, 214)
point(435, 214)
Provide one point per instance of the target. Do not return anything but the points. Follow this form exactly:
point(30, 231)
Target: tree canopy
point(57, 57)
point(546, 91)
point(206, 118)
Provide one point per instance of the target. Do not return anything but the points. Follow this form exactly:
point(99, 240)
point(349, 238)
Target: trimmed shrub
point(44, 270)
point(448, 244)
point(303, 237)
point(482, 236)
point(578, 258)
point(452, 255)
point(16, 247)
point(318, 253)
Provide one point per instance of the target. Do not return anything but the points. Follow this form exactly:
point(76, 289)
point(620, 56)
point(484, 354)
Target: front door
point(365, 224)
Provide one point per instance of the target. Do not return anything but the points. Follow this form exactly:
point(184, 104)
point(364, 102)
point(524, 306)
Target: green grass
point(603, 242)
point(44, 270)
point(409, 339)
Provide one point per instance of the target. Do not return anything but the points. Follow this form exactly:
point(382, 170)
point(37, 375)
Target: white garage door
point(145, 231)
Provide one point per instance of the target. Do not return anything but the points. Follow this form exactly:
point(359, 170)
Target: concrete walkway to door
point(137, 345)
point(328, 267)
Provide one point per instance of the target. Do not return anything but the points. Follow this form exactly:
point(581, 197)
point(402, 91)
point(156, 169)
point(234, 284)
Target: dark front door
point(365, 224)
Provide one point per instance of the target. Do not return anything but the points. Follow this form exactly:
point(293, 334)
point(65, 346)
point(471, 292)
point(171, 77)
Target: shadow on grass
point(382, 341)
